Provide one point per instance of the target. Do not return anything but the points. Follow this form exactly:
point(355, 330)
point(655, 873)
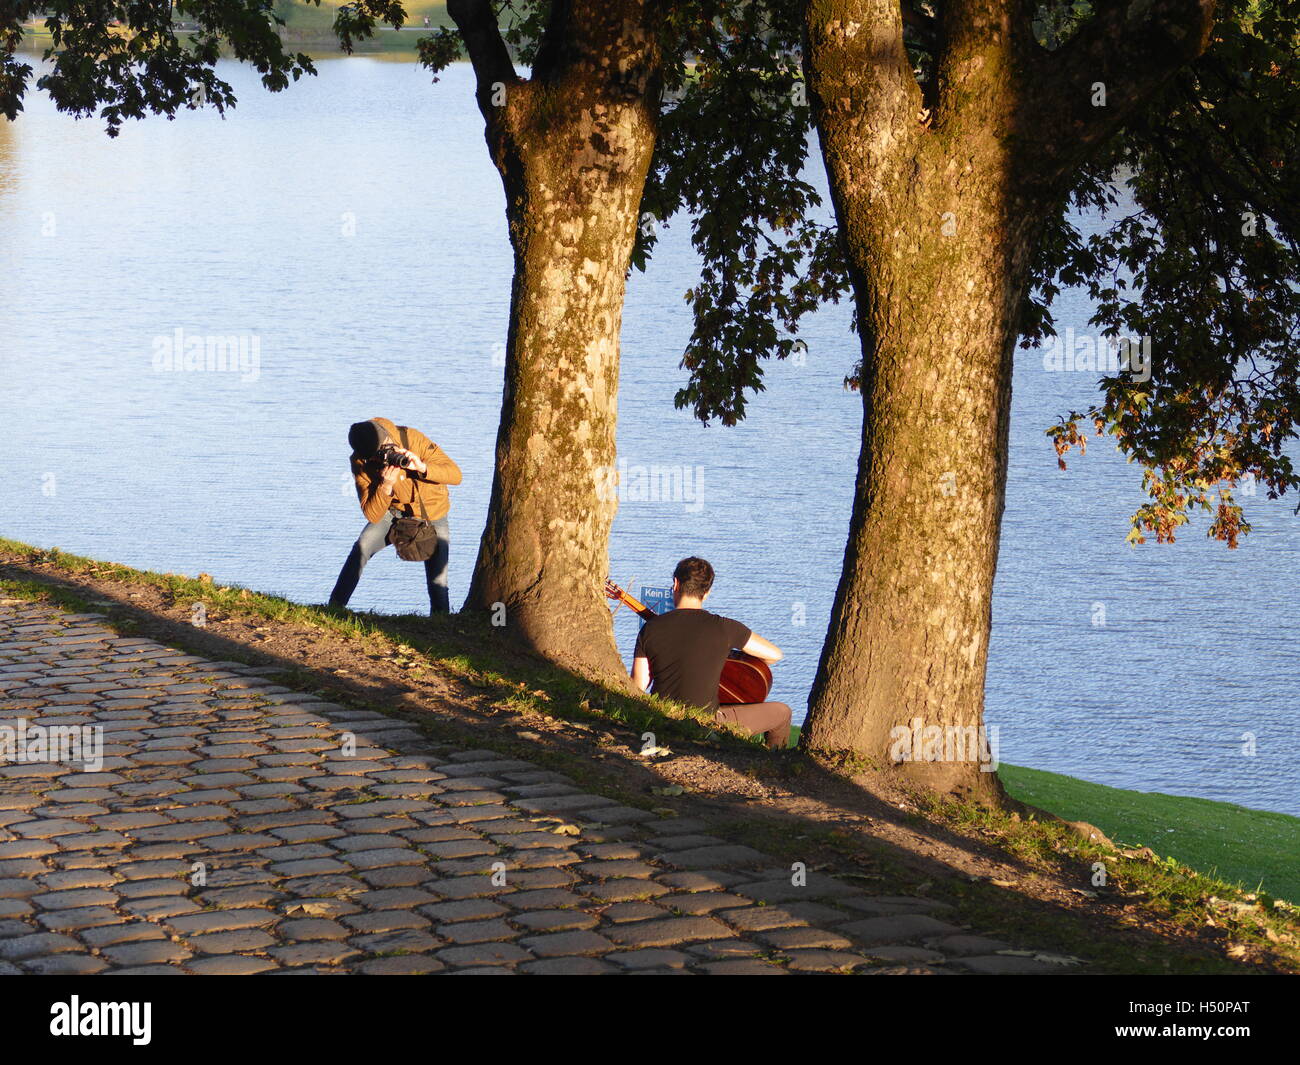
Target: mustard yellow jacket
point(431, 486)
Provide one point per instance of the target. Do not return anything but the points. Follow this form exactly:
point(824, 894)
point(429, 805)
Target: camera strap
point(424, 515)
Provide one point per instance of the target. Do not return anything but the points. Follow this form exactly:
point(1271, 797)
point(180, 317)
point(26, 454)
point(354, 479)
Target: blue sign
point(660, 600)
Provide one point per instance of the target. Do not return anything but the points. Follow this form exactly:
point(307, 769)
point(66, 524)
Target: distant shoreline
point(36, 39)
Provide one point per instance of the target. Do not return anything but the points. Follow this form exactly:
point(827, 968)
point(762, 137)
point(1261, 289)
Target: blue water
point(353, 227)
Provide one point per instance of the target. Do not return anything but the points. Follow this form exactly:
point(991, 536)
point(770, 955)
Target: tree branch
point(916, 20)
point(616, 41)
point(477, 23)
point(1084, 91)
point(857, 63)
point(981, 50)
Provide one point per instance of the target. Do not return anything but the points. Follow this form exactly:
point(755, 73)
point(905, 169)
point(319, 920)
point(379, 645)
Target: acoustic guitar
point(745, 679)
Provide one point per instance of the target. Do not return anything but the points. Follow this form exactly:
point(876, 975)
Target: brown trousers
point(771, 719)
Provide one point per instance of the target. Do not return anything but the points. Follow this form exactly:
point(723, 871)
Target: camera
point(389, 455)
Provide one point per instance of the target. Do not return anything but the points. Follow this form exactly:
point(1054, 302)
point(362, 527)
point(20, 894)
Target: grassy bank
point(1257, 850)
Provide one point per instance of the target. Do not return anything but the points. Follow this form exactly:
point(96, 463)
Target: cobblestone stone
point(743, 968)
point(385, 921)
point(220, 921)
point(559, 944)
point(668, 932)
point(897, 929)
point(477, 931)
point(824, 961)
point(307, 929)
point(77, 897)
point(147, 952)
point(555, 920)
point(21, 948)
point(78, 919)
point(230, 942)
point(410, 940)
point(483, 954)
point(403, 965)
point(650, 958)
point(229, 965)
point(66, 965)
point(313, 953)
point(111, 935)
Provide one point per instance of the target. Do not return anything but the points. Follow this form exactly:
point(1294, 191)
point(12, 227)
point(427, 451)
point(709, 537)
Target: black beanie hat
point(366, 438)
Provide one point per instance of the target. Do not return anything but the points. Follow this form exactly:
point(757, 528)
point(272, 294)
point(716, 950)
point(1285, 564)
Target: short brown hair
point(694, 576)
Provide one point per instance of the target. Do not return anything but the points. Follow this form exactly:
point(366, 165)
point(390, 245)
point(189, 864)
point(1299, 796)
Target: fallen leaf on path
point(314, 909)
point(1037, 955)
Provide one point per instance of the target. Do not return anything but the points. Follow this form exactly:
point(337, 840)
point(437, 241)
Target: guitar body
point(745, 679)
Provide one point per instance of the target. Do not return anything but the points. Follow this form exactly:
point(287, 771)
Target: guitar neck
point(639, 607)
point(635, 605)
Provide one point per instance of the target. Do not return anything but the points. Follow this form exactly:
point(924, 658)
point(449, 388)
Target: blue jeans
point(373, 539)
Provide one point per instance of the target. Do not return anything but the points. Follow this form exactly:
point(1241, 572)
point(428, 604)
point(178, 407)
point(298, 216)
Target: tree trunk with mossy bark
point(940, 194)
point(573, 145)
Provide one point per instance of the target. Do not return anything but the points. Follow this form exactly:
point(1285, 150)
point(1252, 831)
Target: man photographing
point(683, 651)
point(400, 474)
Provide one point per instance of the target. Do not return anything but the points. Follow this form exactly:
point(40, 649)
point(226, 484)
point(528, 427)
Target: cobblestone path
point(236, 826)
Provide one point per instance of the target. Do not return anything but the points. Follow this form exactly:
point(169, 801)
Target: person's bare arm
point(641, 673)
point(761, 648)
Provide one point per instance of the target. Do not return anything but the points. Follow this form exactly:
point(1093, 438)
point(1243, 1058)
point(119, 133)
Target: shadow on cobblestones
point(239, 825)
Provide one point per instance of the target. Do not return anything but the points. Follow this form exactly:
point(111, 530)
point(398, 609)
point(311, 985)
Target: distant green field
point(1258, 849)
point(308, 22)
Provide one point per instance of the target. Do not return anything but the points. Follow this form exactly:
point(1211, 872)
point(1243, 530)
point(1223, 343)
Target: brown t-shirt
point(686, 650)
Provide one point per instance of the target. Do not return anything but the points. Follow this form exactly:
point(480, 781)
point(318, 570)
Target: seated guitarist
point(683, 652)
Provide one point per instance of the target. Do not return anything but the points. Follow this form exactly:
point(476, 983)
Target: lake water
point(353, 227)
